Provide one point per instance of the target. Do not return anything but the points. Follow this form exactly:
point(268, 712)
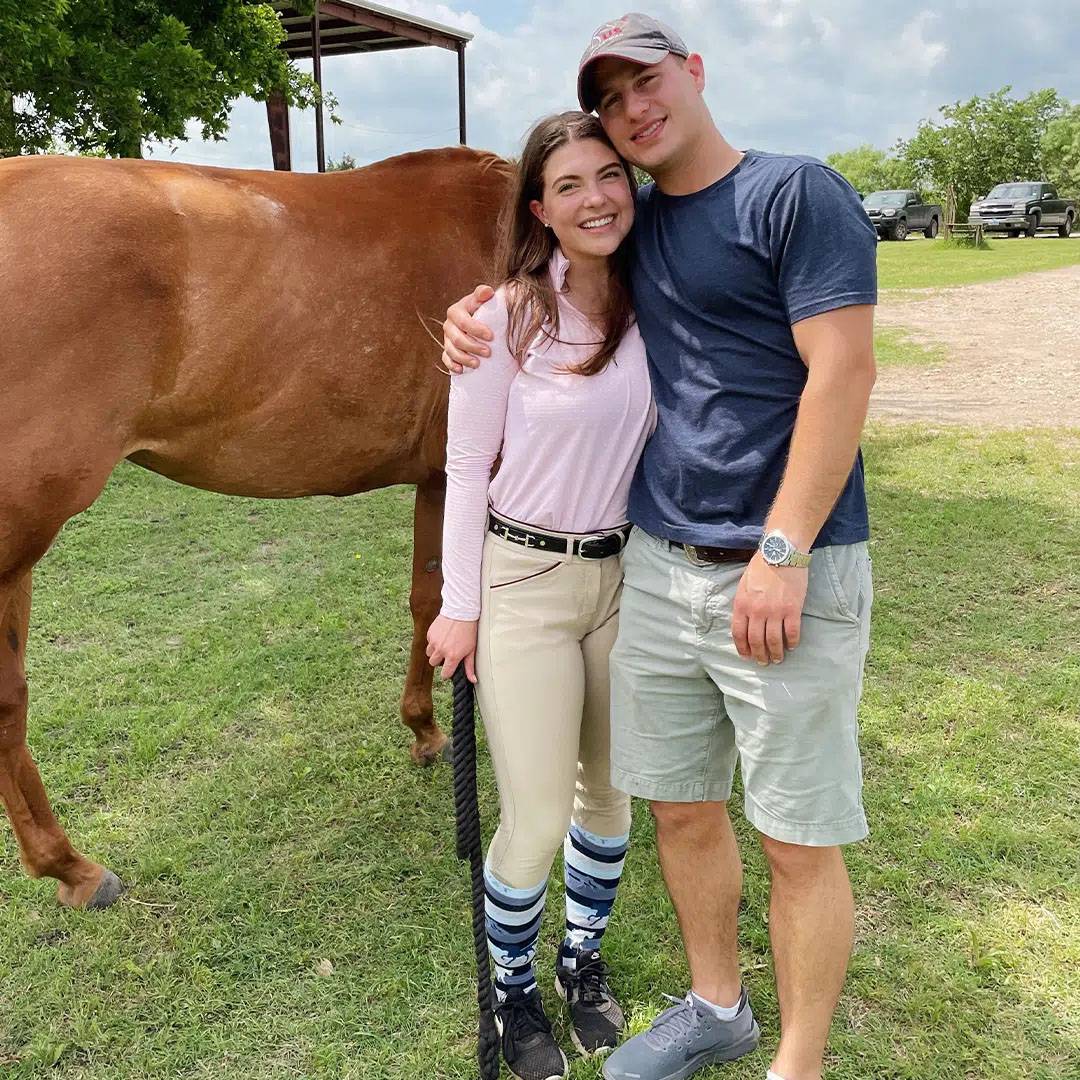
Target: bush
point(965, 240)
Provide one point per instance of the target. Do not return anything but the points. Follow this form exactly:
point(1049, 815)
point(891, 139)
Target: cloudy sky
point(807, 76)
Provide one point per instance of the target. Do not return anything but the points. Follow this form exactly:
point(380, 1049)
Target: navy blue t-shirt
point(719, 277)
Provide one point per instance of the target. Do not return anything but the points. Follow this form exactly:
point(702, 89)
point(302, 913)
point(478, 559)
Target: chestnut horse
point(252, 333)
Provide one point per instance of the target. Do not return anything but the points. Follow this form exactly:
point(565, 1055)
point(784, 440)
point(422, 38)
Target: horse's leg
point(43, 847)
point(417, 711)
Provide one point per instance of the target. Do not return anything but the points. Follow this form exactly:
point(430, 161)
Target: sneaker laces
point(521, 1018)
point(670, 1027)
point(592, 979)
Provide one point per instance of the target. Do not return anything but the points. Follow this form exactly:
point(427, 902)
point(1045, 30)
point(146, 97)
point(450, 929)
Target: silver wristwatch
point(777, 550)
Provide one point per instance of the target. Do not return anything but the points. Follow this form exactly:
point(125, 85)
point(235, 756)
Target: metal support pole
point(316, 64)
point(277, 115)
point(461, 91)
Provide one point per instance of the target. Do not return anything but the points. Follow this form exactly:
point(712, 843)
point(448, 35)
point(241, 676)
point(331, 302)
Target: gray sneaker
point(682, 1040)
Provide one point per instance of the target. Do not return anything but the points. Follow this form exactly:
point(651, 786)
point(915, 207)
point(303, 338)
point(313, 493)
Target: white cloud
point(919, 42)
point(775, 14)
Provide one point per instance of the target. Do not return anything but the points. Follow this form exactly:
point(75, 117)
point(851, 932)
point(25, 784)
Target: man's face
point(651, 114)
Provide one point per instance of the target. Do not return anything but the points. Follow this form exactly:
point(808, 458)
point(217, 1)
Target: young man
point(745, 615)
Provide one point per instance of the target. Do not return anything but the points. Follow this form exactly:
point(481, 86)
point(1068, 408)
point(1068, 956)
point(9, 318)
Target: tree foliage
point(345, 163)
point(102, 76)
point(982, 142)
point(1061, 152)
point(868, 169)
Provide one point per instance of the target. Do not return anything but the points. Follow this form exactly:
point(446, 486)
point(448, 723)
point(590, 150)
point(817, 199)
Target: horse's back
point(247, 331)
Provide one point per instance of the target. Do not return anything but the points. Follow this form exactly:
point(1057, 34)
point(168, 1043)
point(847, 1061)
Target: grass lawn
point(214, 687)
point(893, 347)
point(922, 264)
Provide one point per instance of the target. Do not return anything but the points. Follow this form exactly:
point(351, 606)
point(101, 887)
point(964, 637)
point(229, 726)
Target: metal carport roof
point(339, 28)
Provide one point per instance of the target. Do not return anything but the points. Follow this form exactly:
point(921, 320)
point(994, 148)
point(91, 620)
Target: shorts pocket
point(837, 583)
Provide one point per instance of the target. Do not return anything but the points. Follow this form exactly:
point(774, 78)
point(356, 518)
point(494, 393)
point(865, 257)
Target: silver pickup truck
point(1024, 207)
point(894, 214)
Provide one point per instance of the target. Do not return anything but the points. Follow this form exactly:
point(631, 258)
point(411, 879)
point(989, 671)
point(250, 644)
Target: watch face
point(775, 549)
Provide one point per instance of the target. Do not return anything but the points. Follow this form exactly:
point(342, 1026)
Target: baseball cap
point(635, 37)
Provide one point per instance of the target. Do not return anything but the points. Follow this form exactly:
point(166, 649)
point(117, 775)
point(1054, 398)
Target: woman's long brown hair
point(526, 246)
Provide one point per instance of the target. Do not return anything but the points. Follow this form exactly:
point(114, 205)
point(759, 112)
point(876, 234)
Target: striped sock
point(592, 865)
point(513, 927)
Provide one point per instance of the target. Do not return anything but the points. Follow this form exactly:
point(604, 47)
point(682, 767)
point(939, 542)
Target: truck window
point(877, 199)
point(1015, 191)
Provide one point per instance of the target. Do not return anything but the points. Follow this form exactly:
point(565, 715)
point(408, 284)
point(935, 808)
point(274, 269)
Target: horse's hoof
point(427, 754)
point(447, 752)
point(107, 893)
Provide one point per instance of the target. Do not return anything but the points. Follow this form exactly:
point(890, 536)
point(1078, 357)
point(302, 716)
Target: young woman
point(532, 568)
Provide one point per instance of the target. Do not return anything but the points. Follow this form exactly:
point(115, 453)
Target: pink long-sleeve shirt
point(569, 443)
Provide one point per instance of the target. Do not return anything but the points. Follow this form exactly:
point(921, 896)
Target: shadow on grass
point(970, 736)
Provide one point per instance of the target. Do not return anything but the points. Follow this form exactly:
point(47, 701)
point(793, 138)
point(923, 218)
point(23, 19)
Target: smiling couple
point(694, 358)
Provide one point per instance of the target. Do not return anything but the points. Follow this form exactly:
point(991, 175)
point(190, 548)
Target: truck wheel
point(900, 230)
point(1014, 233)
point(1033, 224)
point(931, 230)
point(1066, 229)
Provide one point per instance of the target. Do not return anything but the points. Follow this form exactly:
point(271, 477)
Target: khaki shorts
point(686, 707)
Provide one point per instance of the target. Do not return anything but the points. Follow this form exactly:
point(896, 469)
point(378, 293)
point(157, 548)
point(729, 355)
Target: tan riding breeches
point(547, 625)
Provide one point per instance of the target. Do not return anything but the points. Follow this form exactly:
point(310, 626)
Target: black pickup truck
point(1024, 207)
point(894, 214)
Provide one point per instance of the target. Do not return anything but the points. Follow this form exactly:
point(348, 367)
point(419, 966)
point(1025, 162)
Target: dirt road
point(1013, 348)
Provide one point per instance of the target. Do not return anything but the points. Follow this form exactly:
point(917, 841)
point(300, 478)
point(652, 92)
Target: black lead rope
point(467, 812)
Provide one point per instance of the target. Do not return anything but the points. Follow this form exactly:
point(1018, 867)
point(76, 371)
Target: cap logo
point(609, 31)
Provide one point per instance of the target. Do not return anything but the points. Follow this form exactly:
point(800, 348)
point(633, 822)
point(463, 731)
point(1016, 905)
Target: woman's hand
point(449, 641)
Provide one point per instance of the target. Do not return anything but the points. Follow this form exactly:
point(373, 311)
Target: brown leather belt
point(698, 553)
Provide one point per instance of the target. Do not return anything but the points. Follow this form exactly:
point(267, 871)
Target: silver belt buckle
point(583, 540)
point(692, 556)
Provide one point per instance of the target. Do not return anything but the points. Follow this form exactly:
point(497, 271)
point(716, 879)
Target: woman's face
point(587, 199)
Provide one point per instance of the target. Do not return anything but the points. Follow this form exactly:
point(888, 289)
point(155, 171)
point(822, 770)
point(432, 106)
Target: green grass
point(894, 348)
point(966, 241)
point(214, 687)
point(920, 264)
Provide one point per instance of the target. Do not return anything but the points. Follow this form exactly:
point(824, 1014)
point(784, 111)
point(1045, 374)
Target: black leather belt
point(702, 554)
point(600, 546)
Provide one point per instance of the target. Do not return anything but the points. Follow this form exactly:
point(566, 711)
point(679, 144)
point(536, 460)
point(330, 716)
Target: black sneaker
point(596, 1015)
point(529, 1048)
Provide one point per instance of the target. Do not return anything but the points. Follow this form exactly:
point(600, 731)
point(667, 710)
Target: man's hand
point(464, 336)
point(449, 642)
point(767, 616)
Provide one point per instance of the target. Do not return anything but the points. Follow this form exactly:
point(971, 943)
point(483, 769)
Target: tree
point(868, 169)
point(104, 75)
point(343, 164)
point(983, 142)
point(1061, 152)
